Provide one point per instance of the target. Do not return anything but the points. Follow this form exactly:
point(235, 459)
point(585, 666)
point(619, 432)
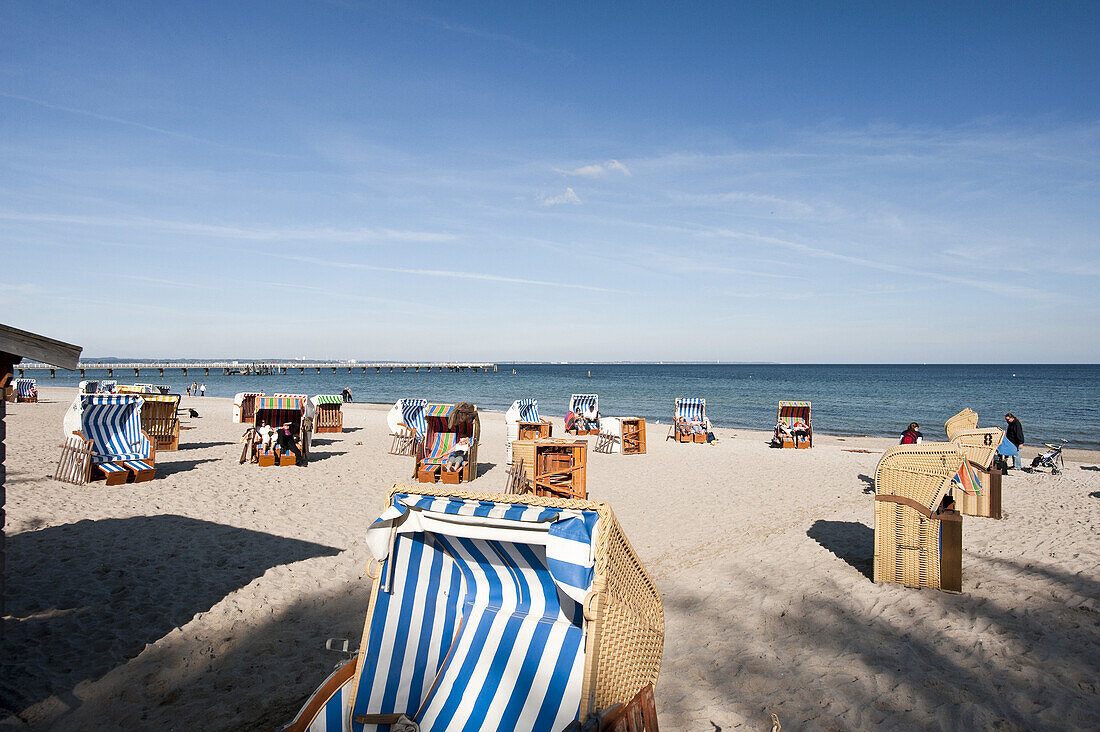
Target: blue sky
point(800, 182)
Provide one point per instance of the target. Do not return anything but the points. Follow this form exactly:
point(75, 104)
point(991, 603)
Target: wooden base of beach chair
point(699, 437)
point(141, 470)
point(427, 474)
point(637, 715)
point(534, 430)
point(797, 443)
point(582, 433)
point(265, 459)
point(684, 437)
point(633, 435)
point(987, 503)
point(287, 458)
point(451, 477)
point(114, 474)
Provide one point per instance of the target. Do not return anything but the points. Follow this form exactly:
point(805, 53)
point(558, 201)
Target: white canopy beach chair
point(109, 439)
point(689, 423)
point(522, 422)
point(244, 406)
point(494, 612)
point(580, 404)
point(408, 425)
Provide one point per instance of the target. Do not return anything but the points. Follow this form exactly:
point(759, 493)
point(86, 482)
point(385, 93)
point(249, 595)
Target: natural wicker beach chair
point(918, 536)
point(244, 406)
point(580, 404)
point(446, 425)
point(407, 426)
point(967, 419)
point(792, 414)
point(330, 418)
point(690, 413)
point(522, 422)
point(554, 467)
point(494, 612)
point(108, 441)
point(160, 419)
point(25, 390)
point(977, 489)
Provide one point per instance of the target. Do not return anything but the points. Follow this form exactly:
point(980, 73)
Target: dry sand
point(203, 598)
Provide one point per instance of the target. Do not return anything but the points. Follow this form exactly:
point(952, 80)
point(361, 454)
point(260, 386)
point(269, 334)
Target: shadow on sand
point(849, 540)
point(124, 589)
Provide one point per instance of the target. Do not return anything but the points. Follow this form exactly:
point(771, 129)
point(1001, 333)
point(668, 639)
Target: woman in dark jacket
point(912, 436)
point(1015, 434)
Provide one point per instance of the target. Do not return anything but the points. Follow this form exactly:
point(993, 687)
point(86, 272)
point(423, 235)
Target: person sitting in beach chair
point(458, 455)
point(288, 443)
point(264, 436)
point(590, 418)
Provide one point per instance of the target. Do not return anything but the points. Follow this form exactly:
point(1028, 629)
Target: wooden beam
point(39, 348)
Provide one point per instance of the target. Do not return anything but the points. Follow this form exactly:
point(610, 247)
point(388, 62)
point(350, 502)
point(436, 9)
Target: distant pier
point(253, 368)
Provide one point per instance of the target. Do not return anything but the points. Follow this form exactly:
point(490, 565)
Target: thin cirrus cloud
point(438, 273)
point(319, 234)
point(597, 170)
point(570, 196)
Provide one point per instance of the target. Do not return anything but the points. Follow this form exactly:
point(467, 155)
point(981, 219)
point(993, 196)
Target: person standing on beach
point(189, 391)
point(202, 389)
point(1015, 434)
point(307, 437)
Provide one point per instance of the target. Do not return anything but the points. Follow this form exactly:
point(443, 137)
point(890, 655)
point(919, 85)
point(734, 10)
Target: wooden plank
point(38, 347)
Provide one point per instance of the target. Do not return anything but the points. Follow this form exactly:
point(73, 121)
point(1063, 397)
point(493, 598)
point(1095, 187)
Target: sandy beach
point(204, 597)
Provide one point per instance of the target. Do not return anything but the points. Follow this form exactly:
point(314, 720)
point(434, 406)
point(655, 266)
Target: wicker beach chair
point(522, 422)
point(977, 488)
point(967, 419)
point(555, 466)
point(160, 419)
point(793, 414)
point(446, 425)
point(407, 426)
point(690, 413)
point(109, 439)
point(244, 406)
point(581, 404)
point(494, 612)
point(275, 411)
point(25, 390)
point(918, 537)
point(330, 417)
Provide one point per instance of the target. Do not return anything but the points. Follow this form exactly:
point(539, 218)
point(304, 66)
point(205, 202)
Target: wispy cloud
point(597, 170)
point(460, 275)
point(132, 123)
point(317, 234)
point(570, 196)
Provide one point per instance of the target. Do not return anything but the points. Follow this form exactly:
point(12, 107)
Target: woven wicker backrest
point(920, 473)
point(979, 446)
point(626, 622)
point(967, 419)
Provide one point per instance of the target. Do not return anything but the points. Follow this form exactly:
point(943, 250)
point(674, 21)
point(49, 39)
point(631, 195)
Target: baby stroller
point(1050, 458)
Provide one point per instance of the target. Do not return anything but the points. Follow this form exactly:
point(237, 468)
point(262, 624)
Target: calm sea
point(1052, 401)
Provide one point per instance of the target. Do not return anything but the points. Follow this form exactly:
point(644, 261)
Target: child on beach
point(912, 435)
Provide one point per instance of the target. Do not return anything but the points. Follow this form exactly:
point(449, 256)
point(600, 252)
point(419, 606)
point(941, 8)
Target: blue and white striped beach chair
point(25, 390)
point(408, 426)
point(110, 425)
point(494, 612)
point(580, 404)
point(689, 423)
point(522, 422)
